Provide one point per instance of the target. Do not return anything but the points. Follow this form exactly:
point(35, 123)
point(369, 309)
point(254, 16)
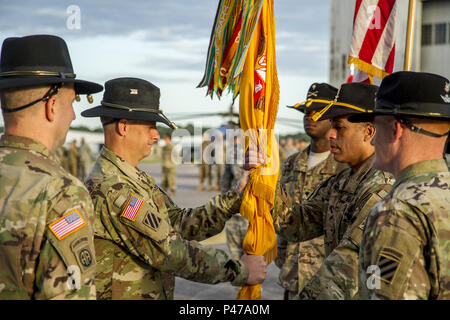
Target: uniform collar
point(328, 166)
point(130, 171)
point(27, 144)
point(357, 176)
point(422, 168)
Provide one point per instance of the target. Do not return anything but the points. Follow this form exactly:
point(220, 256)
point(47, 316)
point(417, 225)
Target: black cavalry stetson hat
point(39, 60)
point(319, 95)
point(352, 98)
point(130, 98)
point(412, 94)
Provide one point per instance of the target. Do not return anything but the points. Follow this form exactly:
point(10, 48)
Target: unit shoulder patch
point(388, 262)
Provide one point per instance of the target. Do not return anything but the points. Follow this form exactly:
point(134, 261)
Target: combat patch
point(132, 208)
point(388, 262)
point(67, 224)
point(151, 220)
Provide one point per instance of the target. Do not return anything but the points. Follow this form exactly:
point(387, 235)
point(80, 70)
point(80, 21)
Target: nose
point(156, 136)
point(331, 134)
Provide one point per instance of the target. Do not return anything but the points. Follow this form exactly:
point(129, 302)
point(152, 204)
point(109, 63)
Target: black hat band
point(61, 75)
point(415, 107)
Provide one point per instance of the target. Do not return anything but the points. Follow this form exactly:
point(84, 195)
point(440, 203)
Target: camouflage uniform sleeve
point(66, 267)
point(338, 274)
point(205, 221)
point(300, 222)
point(392, 263)
point(148, 235)
point(281, 251)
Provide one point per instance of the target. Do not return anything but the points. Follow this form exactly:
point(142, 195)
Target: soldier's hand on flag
point(254, 158)
point(257, 268)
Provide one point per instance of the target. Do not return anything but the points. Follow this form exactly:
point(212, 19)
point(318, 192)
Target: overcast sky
point(166, 42)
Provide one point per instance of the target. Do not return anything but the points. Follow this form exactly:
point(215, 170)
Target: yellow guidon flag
point(241, 56)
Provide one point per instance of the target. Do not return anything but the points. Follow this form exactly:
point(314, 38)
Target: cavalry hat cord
point(132, 109)
point(61, 75)
point(51, 92)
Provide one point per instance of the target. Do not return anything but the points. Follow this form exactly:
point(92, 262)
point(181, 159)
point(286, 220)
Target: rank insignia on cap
point(133, 91)
point(67, 224)
point(132, 209)
point(388, 262)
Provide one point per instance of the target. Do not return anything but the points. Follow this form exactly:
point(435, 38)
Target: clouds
point(166, 42)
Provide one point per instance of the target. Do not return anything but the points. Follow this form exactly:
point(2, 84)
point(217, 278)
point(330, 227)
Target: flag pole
point(410, 35)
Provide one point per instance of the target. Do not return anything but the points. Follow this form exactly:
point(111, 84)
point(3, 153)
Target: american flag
point(68, 224)
point(131, 210)
point(373, 44)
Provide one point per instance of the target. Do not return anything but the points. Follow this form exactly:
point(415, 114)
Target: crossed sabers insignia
point(312, 94)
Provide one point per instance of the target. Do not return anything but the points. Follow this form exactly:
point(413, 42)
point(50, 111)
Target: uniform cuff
point(235, 196)
point(241, 272)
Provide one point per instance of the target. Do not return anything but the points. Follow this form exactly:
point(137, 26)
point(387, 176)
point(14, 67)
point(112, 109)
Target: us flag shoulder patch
point(67, 224)
point(132, 208)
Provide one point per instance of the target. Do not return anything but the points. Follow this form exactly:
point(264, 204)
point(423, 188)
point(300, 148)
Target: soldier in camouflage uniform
point(338, 207)
point(46, 214)
point(73, 157)
point(236, 226)
point(140, 234)
point(299, 261)
point(205, 167)
point(169, 173)
point(405, 244)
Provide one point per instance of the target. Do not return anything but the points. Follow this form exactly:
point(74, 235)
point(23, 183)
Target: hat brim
point(102, 111)
point(339, 111)
point(81, 86)
point(314, 106)
point(363, 117)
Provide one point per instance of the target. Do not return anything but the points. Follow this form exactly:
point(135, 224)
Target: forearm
point(208, 220)
point(190, 260)
point(296, 222)
point(337, 277)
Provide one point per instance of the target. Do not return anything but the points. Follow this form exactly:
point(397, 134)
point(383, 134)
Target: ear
point(369, 132)
point(122, 127)
point(397, 130)
point(50, 109)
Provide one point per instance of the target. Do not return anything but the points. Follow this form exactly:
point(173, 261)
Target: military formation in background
point(361, 213)
point(77, 160)
point(169, 170)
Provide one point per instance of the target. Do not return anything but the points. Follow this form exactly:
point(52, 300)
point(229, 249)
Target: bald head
point(397, 147)
point(17, 97)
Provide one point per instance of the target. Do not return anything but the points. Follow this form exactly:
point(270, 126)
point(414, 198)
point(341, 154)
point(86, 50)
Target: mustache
point(333, 145)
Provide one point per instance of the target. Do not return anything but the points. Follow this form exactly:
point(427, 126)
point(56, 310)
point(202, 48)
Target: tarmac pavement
point(188, 197)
